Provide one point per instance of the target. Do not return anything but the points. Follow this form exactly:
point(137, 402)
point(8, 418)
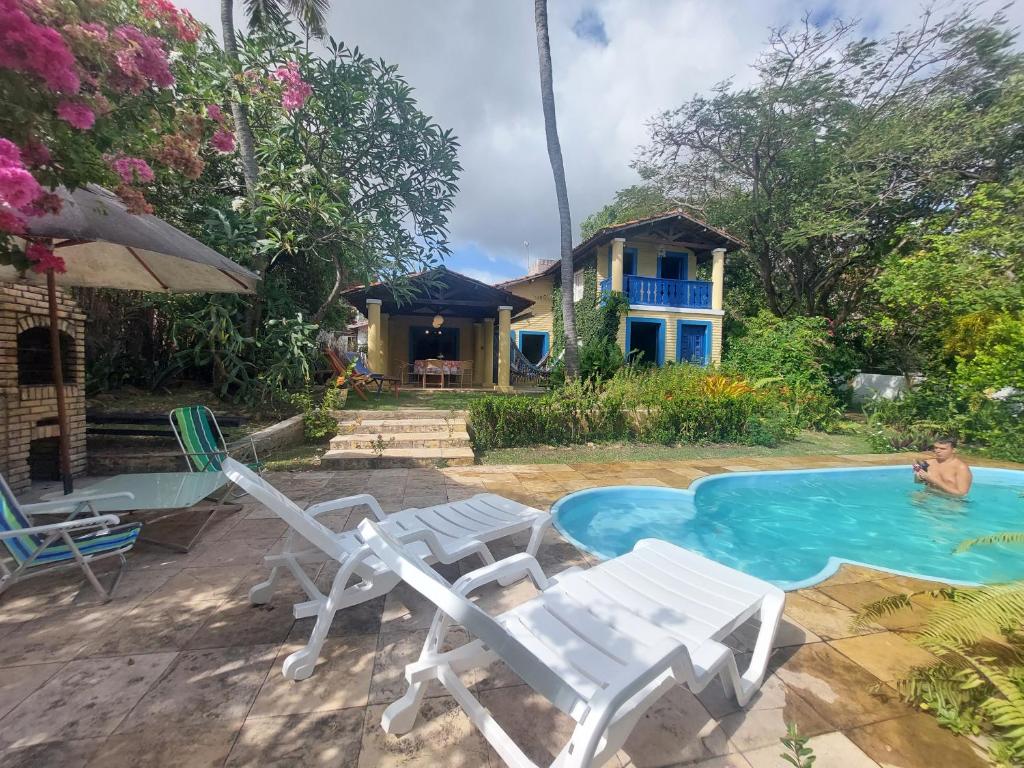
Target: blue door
point(692, 344)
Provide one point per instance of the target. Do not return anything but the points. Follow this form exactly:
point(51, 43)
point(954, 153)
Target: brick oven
point(28, 401)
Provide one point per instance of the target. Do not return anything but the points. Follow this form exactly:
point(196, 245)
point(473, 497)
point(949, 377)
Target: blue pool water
point(795, 528)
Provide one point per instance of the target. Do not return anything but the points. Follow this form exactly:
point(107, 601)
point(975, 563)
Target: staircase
point(411, 437)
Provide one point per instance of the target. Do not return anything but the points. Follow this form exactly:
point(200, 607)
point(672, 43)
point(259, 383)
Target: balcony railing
point(661, 292)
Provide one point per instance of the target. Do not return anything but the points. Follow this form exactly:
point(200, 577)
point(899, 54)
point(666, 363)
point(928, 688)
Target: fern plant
point(977, 685)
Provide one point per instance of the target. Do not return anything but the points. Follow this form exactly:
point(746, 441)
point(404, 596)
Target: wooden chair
point(346, 377)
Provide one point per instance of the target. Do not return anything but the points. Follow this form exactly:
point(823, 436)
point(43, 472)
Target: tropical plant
point(797, 753)
point(319, 422)
point(977, 684)
point(547, 98)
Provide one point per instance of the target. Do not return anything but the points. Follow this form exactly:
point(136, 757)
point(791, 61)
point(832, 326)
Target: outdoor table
point(173, 493)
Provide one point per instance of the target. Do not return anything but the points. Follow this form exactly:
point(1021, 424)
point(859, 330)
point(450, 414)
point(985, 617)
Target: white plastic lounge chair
point(445, 533)
point(79, 537)
point(601, 644)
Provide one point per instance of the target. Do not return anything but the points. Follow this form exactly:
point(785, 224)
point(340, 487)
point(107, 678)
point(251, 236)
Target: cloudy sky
point(473, 64)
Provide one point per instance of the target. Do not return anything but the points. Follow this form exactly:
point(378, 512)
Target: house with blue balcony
point(671, 267)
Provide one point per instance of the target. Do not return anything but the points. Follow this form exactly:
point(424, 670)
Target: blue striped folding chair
point(79, 538)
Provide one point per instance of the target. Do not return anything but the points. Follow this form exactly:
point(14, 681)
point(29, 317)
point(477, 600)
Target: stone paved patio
point(180, 670)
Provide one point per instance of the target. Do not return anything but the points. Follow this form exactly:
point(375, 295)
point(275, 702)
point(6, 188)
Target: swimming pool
point(795, 528)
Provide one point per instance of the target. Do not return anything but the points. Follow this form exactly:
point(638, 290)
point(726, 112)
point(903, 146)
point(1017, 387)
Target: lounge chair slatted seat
point(444, 533)
point(77, 538)
point(601, 644)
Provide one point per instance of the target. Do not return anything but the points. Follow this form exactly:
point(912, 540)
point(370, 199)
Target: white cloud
point(473, 64)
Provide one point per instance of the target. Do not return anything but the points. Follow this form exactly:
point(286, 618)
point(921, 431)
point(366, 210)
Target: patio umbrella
point(105, 246)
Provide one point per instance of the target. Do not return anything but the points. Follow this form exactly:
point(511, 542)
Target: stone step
point(403, 413)
point(458, 439)
point(397, 457)
point(392, 426)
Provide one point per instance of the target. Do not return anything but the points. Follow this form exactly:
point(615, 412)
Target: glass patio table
point(173, 493)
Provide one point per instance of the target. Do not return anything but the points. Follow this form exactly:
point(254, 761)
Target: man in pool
point(948, 472)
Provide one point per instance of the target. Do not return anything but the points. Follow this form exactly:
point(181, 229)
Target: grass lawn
point(806, 443)
point(438, 399)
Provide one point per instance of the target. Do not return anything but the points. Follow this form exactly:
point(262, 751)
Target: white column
point(504, 349)
point(373, 338)
point(717, 277)
point(488, 370)
point(617, 245)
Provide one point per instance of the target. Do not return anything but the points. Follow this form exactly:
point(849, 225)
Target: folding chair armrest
point(347, 502)
point(511, 568)
point(73, 505)
point(103, 521)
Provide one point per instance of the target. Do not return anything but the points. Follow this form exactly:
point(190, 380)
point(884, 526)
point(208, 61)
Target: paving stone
point(915, 741)
point(886, 655)
point(60, 635)
point(764, 725)
point(825, 617)
point(830, 749)
point(16, 683)
point(839, 690)
point(87, 698)
point(169, 744)
point(66, 754)
point(324, 739)
point(236, 621)
point(443, 735)
point(150, 628)
point(340, 680)
point(203, 686)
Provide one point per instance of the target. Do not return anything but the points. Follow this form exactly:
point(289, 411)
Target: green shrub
point(799, 352)
point(318, 420)
point(676, 403)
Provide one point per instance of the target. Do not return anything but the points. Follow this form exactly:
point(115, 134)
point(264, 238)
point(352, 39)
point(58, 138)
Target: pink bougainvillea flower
point(36, 153)
point(26, 46)
point(44, 258)
point(18, 187)
point(213, 111)
point(131, 169)
point(223, 141)
point(181, 154)
point(77, 115)
point(48, 202)
point(296, 90)
point(133, 199)
point(11, 221)
point(165, 13)
point(141, 60)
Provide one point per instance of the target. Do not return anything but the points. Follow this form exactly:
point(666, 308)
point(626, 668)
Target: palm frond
point(887, 606)
point(311, 15)
point(1006, 537)
point(987, 612)
point(264, 14)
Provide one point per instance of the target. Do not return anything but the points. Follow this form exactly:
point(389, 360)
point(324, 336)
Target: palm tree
point(264, 14)
point(547, 100)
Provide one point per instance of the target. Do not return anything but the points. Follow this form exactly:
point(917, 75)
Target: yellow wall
point(671, 325)
point(398, 338)
point(538, 317)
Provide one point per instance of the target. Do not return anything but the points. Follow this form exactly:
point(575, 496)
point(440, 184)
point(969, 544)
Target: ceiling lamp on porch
point(438, 321)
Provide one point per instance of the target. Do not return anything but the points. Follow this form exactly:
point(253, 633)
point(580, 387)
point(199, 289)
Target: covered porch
point(446, 330)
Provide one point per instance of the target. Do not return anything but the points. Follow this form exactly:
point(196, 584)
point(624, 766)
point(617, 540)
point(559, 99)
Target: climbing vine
point(597, 325)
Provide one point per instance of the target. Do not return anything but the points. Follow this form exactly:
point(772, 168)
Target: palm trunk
point(246, 144)
point(547, 100)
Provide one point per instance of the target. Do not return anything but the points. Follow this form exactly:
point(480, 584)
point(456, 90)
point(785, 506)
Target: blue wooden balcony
point(661, 292)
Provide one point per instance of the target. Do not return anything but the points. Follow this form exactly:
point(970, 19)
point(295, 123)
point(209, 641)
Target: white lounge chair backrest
point(461, 610)
point(316, 533)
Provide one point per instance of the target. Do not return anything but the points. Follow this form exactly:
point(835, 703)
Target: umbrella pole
point(58, 383)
